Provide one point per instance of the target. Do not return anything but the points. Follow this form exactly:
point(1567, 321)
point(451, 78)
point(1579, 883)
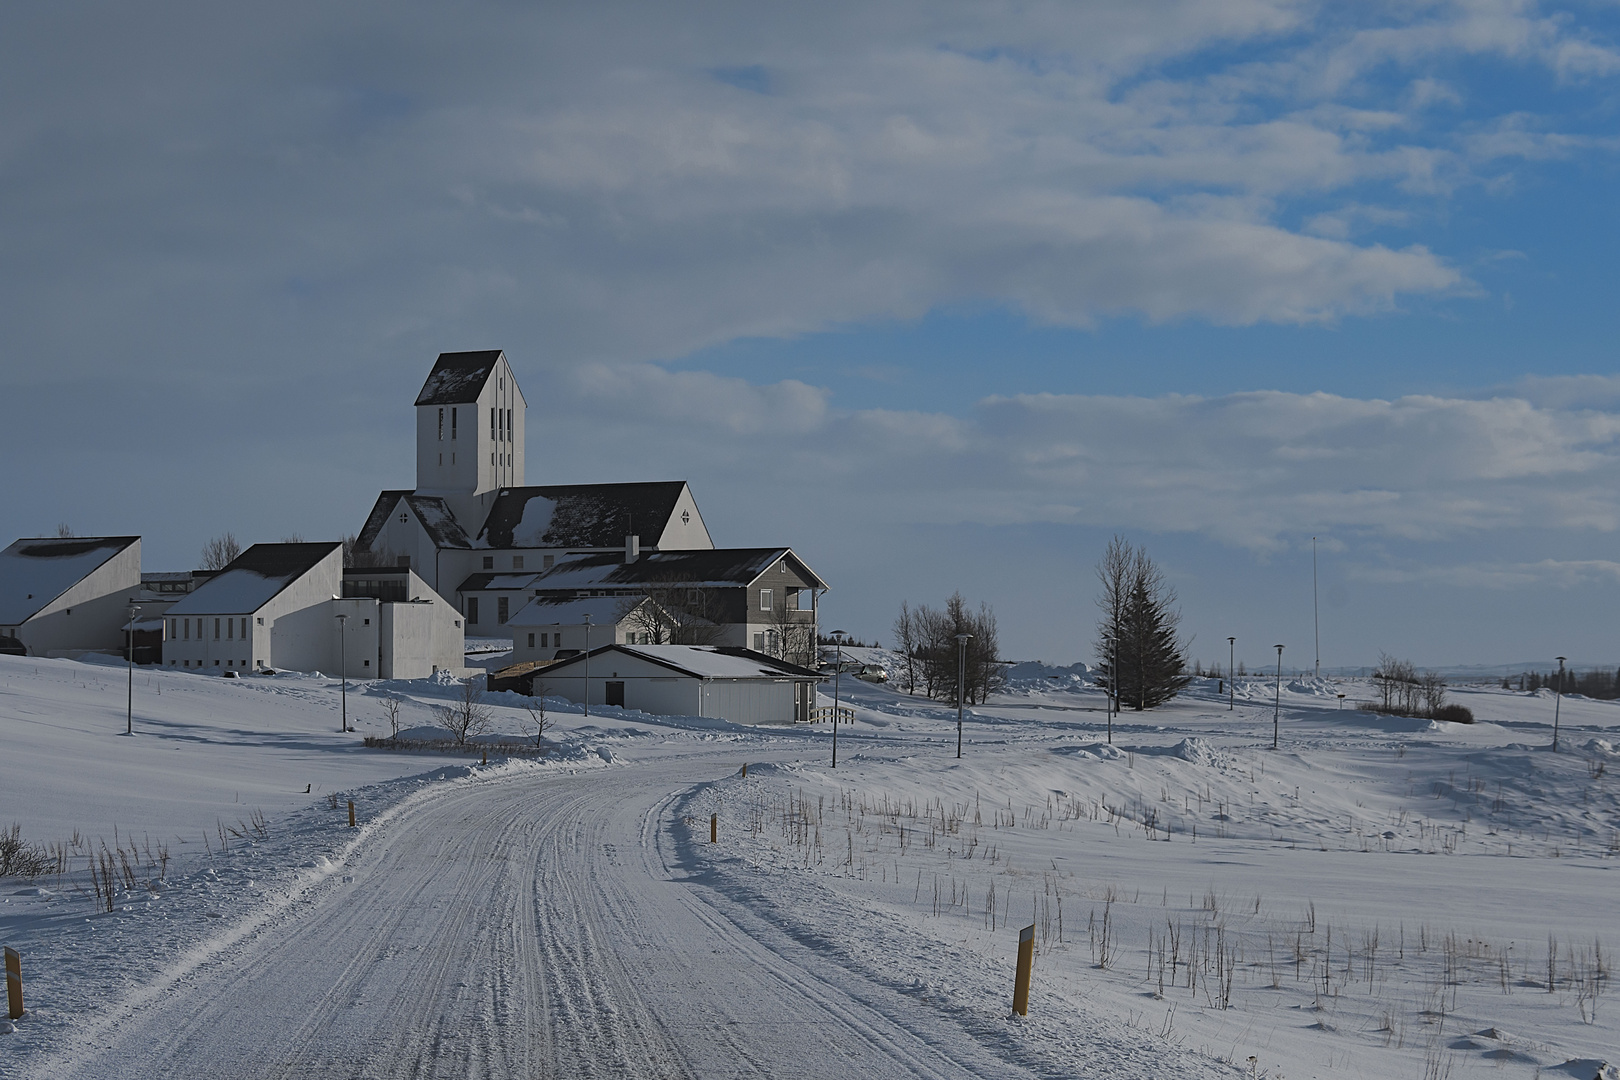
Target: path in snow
point(527, 926)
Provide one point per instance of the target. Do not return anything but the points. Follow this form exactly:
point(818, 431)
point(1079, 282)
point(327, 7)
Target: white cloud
point(1257, 469)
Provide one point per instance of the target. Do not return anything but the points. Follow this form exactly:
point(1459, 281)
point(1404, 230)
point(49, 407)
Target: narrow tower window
point(441, 425)
point(452, 427)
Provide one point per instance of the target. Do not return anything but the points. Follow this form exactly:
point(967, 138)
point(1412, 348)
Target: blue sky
point(942, 295)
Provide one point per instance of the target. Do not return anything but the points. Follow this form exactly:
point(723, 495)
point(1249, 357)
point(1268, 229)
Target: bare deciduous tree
point(905, 636)
point(390, 708)
point(465, 716)
point(219, 552)
point(354, 557)
point(538, 723)
point(936, 655)
point(64, 530)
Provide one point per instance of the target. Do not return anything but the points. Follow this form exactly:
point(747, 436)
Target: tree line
point(931, 657)
point(1600, 684)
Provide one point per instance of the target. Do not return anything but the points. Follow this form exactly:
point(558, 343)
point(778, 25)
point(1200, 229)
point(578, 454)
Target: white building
point(549, 627)
point(292, 606)
point(739, 685)
point(61, 596)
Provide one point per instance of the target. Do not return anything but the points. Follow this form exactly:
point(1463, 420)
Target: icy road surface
point(524, 926)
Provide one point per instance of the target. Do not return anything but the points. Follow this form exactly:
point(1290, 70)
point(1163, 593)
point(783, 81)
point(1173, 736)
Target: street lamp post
point(1558, 700)
point(838, 671)
point(1316, 611)
point(961, 684)
point(343, 666)
point(587, 663)
point(1276, 714)
point(1231, 673)
point(129, 705)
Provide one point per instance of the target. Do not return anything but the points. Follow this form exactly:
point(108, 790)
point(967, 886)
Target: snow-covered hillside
point(1377, 897)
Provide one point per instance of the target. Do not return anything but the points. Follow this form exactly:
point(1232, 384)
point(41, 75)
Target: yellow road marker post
point(1026, 961)
point(351, 813)
point(714, 828)
point(745, 770)
point(14, 983)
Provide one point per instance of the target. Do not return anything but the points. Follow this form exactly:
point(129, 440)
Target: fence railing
point(820, 713)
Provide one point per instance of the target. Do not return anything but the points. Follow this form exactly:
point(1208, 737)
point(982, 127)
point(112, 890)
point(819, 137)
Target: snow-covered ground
point(1377, 897)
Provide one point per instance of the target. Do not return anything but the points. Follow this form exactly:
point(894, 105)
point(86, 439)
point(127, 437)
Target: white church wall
point(420, 638)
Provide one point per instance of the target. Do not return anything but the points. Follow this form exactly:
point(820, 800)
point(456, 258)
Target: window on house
point(188, 629)
point(517, 562)
point(615, 693)
point(367, 622)
point(543, 643)
point(441, 433)
point(441, 459)
point(230, 629)
point(216, 629)
point(508, 425)
point(472, 611)
point(492, 425)
point(492, 459)
point(791, 599)
point(764, 599)
point(452, 433)
point(244, 628)
point(502, 605)
point(402, 560)
point(368, 663)
point(531, 641)
point(261, 620)
point(548, 562)
point(489, 562)
point(759, 642)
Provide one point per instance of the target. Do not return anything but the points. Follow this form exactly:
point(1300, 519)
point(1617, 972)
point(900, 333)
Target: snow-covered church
point(490, 544)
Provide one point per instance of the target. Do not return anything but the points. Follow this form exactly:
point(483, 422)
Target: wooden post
point(745, 770)
point(351, 813)
point(486, 755)
point(1026, 961)
point(714, 828)
point(14, 984)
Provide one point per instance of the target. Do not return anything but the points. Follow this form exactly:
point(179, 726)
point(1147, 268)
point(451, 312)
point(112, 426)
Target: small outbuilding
point(719, 681)
point(550, 626)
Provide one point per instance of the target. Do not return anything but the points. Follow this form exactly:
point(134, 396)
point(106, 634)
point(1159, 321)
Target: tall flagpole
point(1316, 610)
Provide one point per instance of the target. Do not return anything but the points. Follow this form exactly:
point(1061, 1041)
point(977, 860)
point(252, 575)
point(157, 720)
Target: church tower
point(469, 433)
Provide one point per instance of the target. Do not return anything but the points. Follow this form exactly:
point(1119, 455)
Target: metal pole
point(838, 672)
point(1276, 715)
point(1558, 700)
point(1231, 673)
point(587, 663)
point(343, 664)
point(129, 713)
point(961, 684)
point(1316, 611)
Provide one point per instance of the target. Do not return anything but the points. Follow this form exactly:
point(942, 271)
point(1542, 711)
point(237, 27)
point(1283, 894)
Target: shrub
point(1456, 714)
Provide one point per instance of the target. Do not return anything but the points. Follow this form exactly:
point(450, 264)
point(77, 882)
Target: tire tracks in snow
point(527, 925)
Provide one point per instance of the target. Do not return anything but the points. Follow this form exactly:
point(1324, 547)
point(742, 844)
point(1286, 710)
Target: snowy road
point(533, 925)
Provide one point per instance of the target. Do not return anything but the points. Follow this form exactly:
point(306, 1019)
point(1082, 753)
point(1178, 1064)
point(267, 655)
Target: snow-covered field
point(1378, 897)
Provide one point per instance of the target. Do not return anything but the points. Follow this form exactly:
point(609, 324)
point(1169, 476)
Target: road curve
point(532, 925)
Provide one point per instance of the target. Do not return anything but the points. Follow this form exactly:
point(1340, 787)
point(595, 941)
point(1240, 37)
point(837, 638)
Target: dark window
point(531, 641)
point(441, 431)
point(489, 562)
point(615, 693)
point(517, 562)
point(402, 560)
point(472, 611)
point(502, 606)
point(452, 432)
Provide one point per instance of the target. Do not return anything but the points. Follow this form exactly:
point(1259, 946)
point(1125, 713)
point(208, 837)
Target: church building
point(479, 536)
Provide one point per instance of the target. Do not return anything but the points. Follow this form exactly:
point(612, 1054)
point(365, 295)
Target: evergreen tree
point(1142, 657)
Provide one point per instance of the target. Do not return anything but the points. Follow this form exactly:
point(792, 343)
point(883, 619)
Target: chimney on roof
point(632, 548)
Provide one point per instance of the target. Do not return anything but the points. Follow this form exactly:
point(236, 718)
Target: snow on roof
point(579, 515)
point(710, 567)
point(431, 510)
point(33, 572)
point(254, 578)
point(550, 611)
point(458, 377)
point(708, 661)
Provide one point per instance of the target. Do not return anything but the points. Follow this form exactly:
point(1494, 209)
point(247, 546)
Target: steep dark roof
point(710, 566)
point(433, 512)
point(281, 560)
point(458, 377)
point(579, 515)
point(253, 578)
